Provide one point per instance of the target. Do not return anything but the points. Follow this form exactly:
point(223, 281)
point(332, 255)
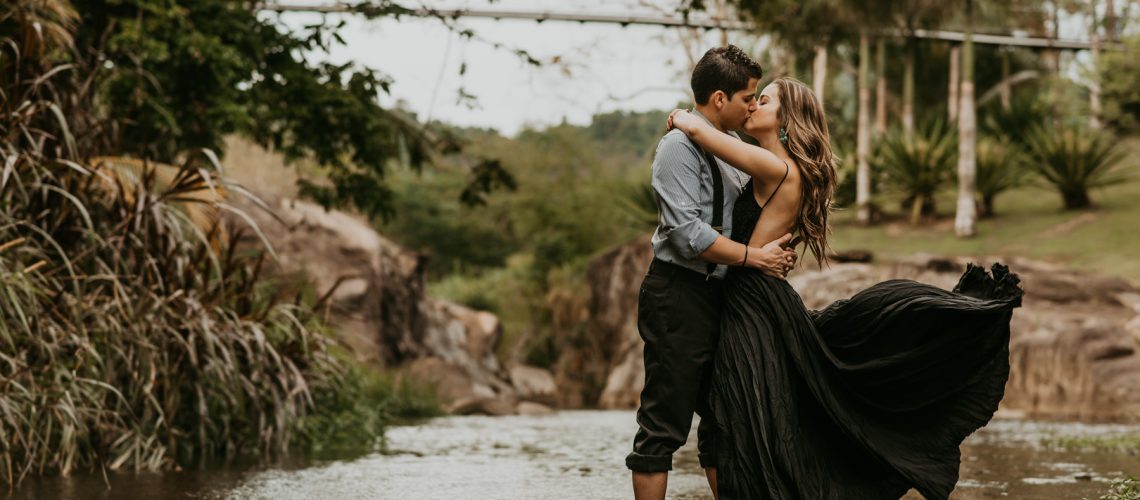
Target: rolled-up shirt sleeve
point(677, 181)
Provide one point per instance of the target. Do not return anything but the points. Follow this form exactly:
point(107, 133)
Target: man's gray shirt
point(684, 186)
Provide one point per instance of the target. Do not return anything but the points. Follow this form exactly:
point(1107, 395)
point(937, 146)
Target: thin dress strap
point(786, 170)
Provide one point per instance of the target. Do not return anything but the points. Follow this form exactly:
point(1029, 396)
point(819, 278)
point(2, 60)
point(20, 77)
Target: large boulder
point(600, 362)
point(1074, 350)
point(377, 304)
point(534, 385)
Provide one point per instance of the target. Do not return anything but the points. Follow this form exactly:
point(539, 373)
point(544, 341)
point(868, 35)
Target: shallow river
point(579, 454)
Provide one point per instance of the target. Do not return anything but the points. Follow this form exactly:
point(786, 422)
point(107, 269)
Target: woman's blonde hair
point(809, 143)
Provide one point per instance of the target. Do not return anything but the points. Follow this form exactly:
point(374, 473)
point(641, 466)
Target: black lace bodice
point(746, 212)
point(745, 215)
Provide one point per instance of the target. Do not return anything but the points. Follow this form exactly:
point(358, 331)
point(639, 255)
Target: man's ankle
point(650, 485)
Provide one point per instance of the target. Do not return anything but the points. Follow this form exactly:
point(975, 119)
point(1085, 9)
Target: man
point(679, 305)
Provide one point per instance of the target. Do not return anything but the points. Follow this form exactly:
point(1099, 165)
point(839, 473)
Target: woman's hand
point(776, 259)
point(683, 120)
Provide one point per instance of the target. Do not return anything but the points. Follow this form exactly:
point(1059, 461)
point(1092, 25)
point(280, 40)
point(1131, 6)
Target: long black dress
point(865, 399)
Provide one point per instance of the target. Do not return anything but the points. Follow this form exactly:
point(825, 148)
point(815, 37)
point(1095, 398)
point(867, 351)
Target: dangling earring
point(783, 135)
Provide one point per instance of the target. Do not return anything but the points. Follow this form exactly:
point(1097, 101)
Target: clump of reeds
point(132, 334)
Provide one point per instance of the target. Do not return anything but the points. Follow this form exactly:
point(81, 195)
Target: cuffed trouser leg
point(678, 318)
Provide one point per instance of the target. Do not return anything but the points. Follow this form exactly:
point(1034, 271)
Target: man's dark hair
point(726, 69)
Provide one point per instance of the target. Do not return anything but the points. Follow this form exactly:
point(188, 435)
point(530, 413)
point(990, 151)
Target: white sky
point(606, 67)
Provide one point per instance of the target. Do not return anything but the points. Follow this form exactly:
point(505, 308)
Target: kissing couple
point(865, 399)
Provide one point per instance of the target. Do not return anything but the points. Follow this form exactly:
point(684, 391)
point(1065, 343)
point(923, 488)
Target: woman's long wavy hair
point(809, 143)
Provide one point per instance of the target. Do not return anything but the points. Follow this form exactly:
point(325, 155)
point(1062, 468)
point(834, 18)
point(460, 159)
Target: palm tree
point(912, 15)
point(918, 166)
point(965, 219)
point(863, 136)
point(908, 89)
point(1094, 85)
point(1110, 20)
point(1075, 160)
point(819, 70)
point(870, 15)
point(880, 87)
point(1006, 88)
point(953, 99)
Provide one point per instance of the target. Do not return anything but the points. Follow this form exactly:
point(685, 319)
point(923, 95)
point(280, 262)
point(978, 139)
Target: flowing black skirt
point(867, 398)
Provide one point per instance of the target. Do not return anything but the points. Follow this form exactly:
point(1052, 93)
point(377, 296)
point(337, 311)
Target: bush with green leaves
point(1026, 110)
point(918, 167)
point(1000, 167)
point(1074, 161)
point(845, 176)
point(175, 75)
point(638, 202)
point(1118, 73)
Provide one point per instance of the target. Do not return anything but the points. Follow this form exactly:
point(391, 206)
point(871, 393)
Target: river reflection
point(579, 454)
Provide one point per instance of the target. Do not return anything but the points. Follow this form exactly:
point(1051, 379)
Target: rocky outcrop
point(375, 287)
point(534, 385)
point(1073, 350)
point(600, 363)
point(376, 302)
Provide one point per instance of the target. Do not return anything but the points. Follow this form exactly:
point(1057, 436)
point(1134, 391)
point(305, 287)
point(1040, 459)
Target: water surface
point(579, 454)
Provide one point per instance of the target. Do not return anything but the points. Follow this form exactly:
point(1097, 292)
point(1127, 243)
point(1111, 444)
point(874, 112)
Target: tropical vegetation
point(138, 333)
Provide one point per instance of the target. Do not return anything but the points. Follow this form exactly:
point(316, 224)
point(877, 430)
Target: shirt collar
point(706, 119)
point(703, 117)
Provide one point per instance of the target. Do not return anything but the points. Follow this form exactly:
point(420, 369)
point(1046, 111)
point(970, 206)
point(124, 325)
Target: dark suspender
point(718, 199)
point(718, 202)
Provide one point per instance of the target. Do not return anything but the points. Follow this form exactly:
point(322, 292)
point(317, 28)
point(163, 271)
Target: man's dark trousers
point(678, 317)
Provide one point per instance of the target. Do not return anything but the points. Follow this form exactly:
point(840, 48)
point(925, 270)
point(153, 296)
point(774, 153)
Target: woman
point(871, 396)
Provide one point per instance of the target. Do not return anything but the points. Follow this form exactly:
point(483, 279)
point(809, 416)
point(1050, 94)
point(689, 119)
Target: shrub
point(1119, 75)
point(918, 167)
point(1075, 160)
point(1000, 167)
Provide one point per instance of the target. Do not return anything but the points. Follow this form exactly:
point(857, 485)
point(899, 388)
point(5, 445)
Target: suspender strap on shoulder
point(718, 202)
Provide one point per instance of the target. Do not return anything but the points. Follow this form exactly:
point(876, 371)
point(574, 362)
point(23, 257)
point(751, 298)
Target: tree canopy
point(169, 76)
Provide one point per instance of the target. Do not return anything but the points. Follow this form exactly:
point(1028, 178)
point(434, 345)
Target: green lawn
point(1029, 223)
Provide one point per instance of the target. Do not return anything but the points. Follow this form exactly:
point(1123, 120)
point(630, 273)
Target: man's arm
point(773, 258)
point(761, 164)
point(676, 180)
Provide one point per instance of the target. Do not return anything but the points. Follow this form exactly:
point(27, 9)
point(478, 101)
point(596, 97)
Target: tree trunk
point(1052, 59)
point(986, 207)
point(952, 101)
point(1109, 20)
point(1006, 87)
point(916, 209)
point(965, 220)
point(722, 13)
point(880, 87)
point(863, 136)
point(819, 71)
point(1054, 55)
point(790, 61)
point(908, 90)
point(1076, 198)
point(1094, 85)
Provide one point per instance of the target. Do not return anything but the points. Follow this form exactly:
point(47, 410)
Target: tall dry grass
point(132, 335)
